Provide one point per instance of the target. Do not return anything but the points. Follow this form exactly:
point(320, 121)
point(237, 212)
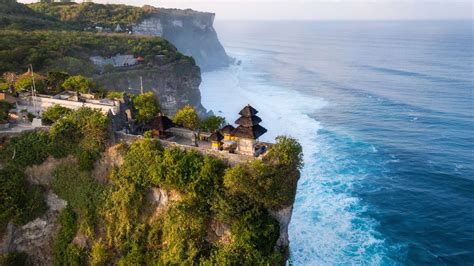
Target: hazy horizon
point(318, 9)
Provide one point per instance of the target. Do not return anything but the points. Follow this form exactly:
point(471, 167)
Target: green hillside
point(70, 50)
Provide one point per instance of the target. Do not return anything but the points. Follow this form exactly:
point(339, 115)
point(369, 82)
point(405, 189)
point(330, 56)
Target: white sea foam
point(326, 227)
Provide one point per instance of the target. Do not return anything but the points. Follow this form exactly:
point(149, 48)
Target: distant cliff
point(190, 31)
point(175, 84)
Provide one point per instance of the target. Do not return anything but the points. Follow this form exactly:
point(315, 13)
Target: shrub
point(147, 106)
point(117, 95)
point(67, 221)
point(74, 256)
point(212, 123)
point(286, 151)
point(271, 181)
point(184, 234)
point(25, 82)
point(139, 158)
point(121, 211)
point(26, 149)
point(81, 191)
point(99, 255)
point(187, 117)
point(78, 83)
point(54, 113)
point(54, 80)
point(20, 202)
point(93, 126)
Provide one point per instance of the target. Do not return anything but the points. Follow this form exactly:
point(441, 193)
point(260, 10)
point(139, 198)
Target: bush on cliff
point(212, 123)
point(187, 117)
point(81, 192)
point(20, 202)
point(78, 83)
point(54, 113)
point(26, 149)
point(67, 221)
point(271, 181)
point(146, 105)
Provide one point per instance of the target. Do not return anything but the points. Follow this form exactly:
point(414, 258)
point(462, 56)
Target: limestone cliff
point(192, 32)
point(175, 84)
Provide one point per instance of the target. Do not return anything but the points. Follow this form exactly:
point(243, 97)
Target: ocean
point(384, 112)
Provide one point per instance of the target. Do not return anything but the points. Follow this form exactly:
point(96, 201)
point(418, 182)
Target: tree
point(212, 123)
point(54, 80)
point(147, 106)
point(78, 83)
point(54, 113)
point(187, 117)
point(272, 180)
point(25, 82)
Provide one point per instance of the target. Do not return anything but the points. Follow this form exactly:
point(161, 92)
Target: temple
point(248, 130)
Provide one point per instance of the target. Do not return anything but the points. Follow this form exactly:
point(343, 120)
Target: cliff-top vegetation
point(70, 51)
point(120, 221)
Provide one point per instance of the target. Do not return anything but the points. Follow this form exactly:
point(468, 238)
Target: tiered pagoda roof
point(249, 124)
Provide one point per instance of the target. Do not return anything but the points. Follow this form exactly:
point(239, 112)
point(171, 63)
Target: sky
point(318, 9)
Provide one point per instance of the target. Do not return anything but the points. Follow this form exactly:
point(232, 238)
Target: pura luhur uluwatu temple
point(244, 138)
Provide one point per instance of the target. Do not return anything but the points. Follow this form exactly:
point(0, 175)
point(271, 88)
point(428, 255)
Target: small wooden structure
point(248, 130)
point(159, 126)
point(228, 132)
point(216, 140)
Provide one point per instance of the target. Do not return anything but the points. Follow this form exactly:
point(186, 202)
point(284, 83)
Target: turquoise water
point(384, 111)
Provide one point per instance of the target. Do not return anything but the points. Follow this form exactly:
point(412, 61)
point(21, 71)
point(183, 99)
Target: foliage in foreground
point(120, 221)
point(79, 132)
point(20, 202)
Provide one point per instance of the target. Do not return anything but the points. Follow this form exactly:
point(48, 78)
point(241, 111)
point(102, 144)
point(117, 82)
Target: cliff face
point(190, 31)
point(175, 85)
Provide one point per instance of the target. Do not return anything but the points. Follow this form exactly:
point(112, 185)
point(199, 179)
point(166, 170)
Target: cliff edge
point(192, 32)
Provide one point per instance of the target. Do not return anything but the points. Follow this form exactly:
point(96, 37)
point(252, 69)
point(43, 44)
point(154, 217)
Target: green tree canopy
point(212, 123)
point(147, 106)
point(187, 117)
point(78, 83)
point(25, 82)
point(54, 113)
point(271, 181)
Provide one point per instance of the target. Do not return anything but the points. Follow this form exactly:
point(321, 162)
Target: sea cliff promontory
point(192, 32)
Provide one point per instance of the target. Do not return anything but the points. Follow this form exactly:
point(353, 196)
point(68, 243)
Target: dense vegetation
point(88, 14)
point(118, 218)
point(120, 222)
point(18, 16)
point(69, 51)
point(82, 133)
point(147, 106)
point(187, 117)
